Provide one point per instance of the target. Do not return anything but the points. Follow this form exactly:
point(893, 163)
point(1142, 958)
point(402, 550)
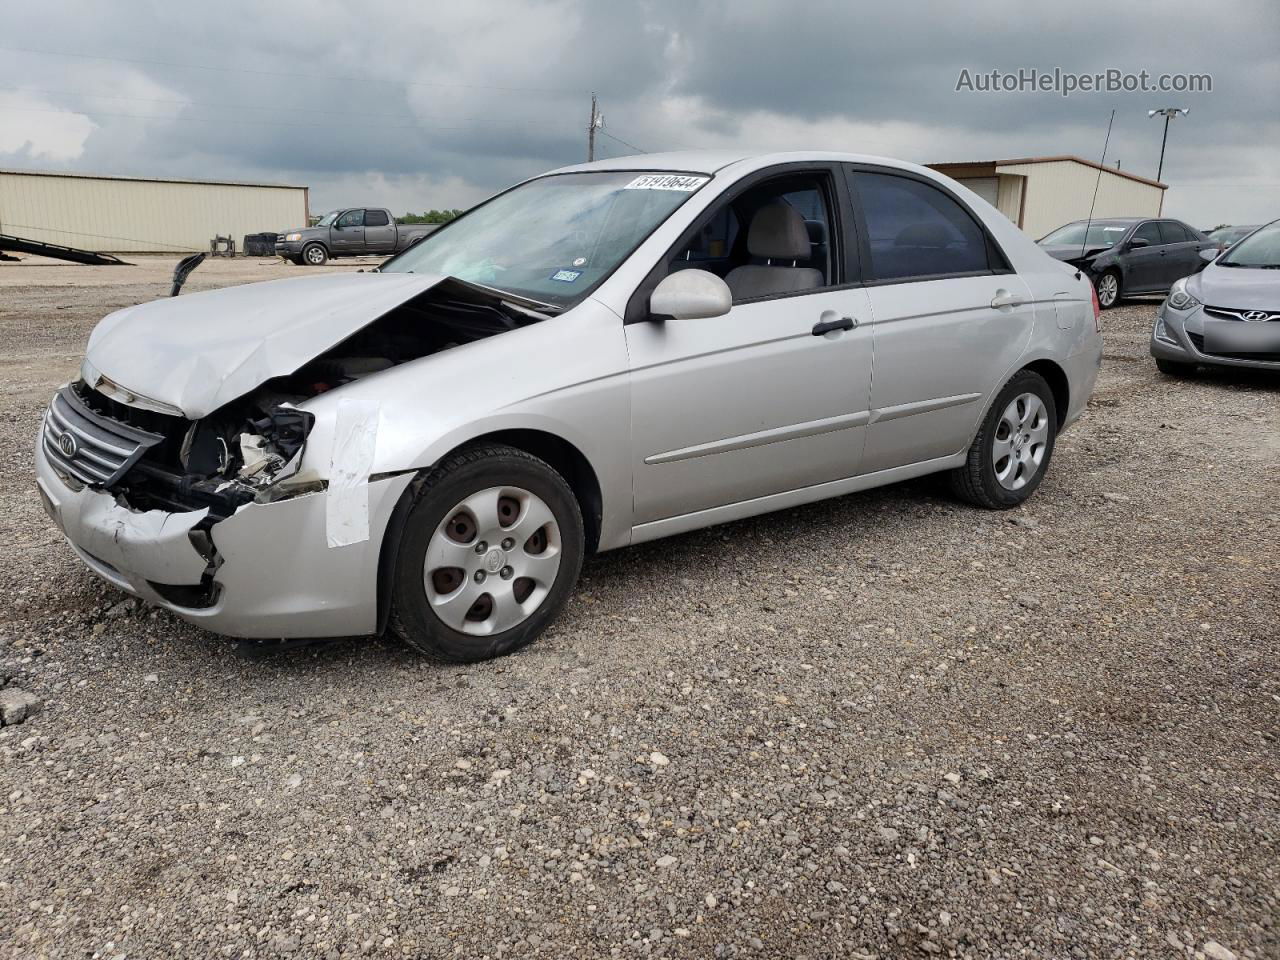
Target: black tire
point(448, 484)
point(1175, 368)
point(976, 481)
point(314, 255)
point(1110, 300)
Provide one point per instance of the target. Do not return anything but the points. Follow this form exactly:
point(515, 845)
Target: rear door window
point(376, 218)
point(914, 230)
point(1149, 232)
point(1173, 232)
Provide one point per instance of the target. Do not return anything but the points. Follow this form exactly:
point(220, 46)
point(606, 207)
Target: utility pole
point(593, 124)
point(1168, 113)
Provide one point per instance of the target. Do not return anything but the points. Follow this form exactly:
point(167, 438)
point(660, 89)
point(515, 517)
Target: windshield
point(1261, 249)
point(1100, 234)
point(1229, 235)
point(328, 218)
point(553, 238)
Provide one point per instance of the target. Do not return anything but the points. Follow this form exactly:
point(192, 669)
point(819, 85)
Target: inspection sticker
point(566, 276)
point(666, 181)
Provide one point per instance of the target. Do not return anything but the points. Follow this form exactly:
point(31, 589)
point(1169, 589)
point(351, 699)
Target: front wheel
point(1108, 287)
point(1010, 454)
point(492, 548)
point(315, 255)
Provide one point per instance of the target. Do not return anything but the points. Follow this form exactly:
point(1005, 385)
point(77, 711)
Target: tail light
point(1097, 309)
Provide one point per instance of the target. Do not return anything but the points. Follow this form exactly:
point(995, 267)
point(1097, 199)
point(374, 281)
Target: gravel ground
point(882, 726)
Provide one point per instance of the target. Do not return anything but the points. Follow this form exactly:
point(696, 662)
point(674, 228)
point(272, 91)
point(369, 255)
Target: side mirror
point(1208, 256)
point(1137, 242)
point(691, 295)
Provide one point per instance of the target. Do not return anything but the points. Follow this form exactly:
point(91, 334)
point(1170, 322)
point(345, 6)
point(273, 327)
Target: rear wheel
point(1108, 287)
point(315, 255)
point(1010, 454)
point(492, 549)
point(1175, 368)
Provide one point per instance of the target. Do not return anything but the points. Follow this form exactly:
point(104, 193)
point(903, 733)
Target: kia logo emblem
point(67, 444)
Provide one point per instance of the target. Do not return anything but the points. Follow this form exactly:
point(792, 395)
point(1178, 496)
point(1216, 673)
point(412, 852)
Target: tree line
point(430, 216)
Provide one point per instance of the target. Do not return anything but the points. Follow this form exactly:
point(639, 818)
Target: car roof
point(713, 161)
point(1105, 220)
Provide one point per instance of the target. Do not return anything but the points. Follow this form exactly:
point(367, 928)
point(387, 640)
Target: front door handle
point(1004, 298)
point(826, 326)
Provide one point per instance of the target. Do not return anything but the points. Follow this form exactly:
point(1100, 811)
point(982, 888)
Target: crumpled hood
point(199, 351)
point(1071, 251)
point(1238, 288)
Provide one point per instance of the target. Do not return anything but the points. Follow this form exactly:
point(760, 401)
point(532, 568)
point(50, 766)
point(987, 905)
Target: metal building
point(1040, 194)
point(142, 215)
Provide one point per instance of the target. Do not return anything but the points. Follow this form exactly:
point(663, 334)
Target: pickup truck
point(349, 232)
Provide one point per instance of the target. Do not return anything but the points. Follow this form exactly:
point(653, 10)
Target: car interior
point(785, 247)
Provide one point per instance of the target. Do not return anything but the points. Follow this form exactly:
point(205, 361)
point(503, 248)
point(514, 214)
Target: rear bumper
point(272, 571)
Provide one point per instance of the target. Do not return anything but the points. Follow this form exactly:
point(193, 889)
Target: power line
point(278, 73)
point(621, 141)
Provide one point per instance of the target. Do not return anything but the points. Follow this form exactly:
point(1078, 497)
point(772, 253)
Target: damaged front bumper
point(266, 571)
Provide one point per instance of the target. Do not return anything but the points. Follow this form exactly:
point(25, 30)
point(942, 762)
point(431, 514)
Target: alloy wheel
point(1020, 442)
point(1108, 289)
point(492, 561)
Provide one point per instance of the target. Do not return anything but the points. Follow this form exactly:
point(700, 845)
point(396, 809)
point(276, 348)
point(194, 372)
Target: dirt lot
point(882, 726)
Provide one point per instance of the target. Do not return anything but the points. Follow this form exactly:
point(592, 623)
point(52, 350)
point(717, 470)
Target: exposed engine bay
point(251, 448)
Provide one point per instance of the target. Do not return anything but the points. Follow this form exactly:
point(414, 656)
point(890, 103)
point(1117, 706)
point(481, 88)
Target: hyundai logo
point(67, 444)
point(1255, 315)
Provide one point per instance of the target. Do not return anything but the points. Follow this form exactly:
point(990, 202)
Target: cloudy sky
point(424, 104)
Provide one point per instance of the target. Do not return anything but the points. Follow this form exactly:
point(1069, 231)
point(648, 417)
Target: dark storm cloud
point(433, 105)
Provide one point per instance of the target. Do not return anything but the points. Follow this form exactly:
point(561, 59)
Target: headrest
point(932, 235)
point(817, 231)
point(778, 233)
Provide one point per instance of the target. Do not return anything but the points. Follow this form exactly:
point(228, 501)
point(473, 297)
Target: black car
point(1129, 255)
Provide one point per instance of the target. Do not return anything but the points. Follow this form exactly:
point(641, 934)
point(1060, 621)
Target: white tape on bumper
point(355, 438)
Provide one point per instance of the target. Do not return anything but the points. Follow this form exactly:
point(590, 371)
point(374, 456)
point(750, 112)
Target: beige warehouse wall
point(138, 216)
point(1061, 191)
point(1010, 197)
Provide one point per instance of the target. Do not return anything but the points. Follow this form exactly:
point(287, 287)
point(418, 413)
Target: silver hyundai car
point(600, 356)
point(1228, 314)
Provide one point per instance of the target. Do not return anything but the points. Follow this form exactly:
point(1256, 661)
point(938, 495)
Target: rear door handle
point(826, 326)
point(1004, 298)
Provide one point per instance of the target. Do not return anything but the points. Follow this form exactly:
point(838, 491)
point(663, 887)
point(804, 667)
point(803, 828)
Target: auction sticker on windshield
point(666, 181)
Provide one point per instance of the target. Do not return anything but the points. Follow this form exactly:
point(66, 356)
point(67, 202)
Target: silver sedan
point(1227, 315)
point(603, 355)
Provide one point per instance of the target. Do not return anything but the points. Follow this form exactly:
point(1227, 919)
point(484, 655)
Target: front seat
point(777, 232)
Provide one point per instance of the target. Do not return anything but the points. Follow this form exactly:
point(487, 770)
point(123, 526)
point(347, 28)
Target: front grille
point(280, 238)
point(1227, 313)
point(83, 444)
